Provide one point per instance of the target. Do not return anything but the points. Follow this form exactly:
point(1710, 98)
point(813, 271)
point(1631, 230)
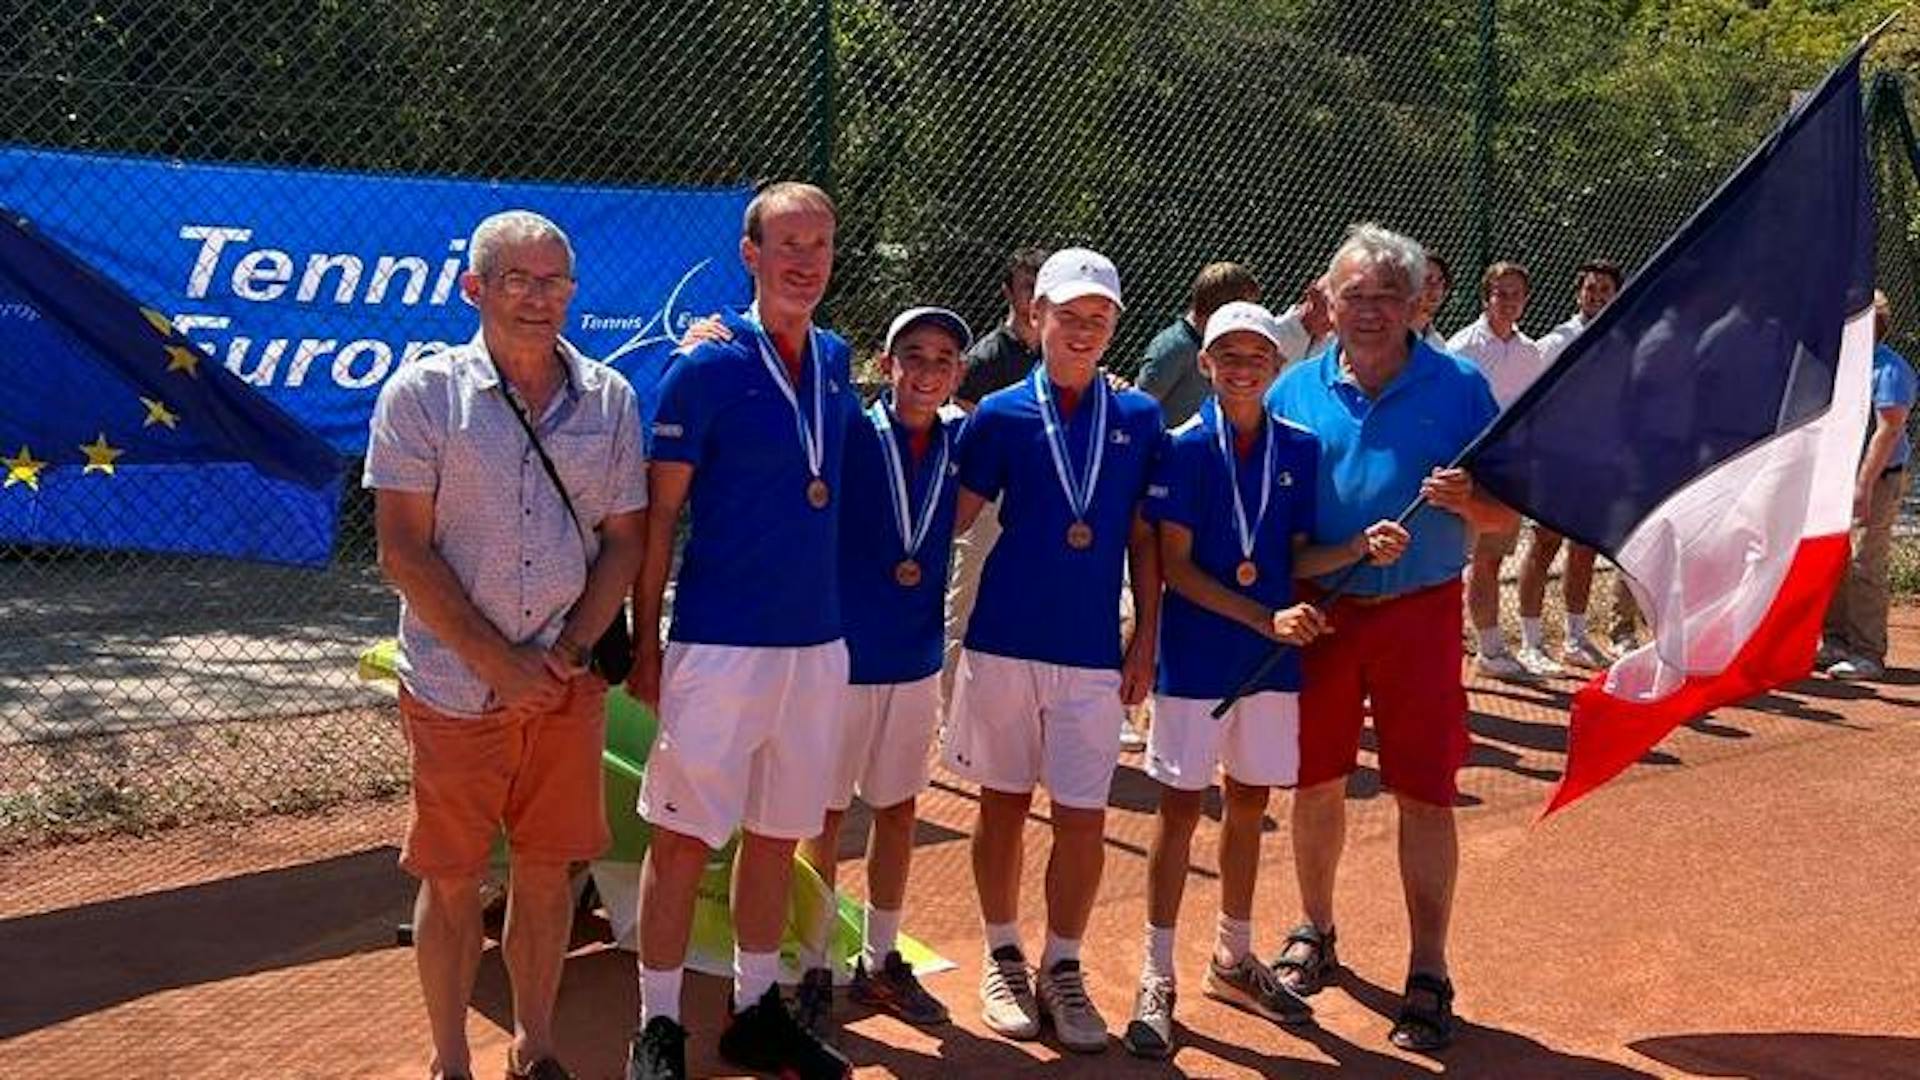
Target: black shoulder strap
point(545, 461)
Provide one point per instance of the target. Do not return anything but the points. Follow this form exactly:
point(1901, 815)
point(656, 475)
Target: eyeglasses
point(518, 284)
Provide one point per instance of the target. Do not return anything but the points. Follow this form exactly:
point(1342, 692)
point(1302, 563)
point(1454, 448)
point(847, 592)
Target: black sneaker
point(813, 1001)
point(896, 989)
point(765, 1037)
point(659, 1051)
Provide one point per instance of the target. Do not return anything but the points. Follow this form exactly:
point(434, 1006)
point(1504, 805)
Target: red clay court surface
point(1743, 904)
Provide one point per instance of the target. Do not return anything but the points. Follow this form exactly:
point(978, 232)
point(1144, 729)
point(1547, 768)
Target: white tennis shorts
point(1018, 723)
point(1256, 743)
point(886, 741)
point(744, 733)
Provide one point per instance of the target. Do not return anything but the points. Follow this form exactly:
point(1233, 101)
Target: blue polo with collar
point(1040, 599)
point(761, 565)
point(1374, 452)
point(1202, 654)
point(895, 633)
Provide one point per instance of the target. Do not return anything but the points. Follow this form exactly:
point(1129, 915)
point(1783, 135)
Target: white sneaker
point(1063, 998)
point(1538, 663)
point(1150, 1035)
point(1006, 996)
point(1584, 653)
point(1828, 655)
point(1857, 667)
point(1501, 666)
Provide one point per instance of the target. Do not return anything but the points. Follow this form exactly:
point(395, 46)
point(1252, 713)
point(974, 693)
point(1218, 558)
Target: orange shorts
point(537, 775)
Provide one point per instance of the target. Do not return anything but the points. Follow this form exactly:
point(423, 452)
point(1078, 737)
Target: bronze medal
point(817, 493)
point(906, 573)
point(1246, 573)
point(1079, 536)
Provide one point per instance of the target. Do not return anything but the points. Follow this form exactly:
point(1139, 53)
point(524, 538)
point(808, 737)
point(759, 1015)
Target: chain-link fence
point(144, 689)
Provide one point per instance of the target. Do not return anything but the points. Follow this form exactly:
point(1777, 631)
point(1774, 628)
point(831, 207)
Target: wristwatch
point(573, 652)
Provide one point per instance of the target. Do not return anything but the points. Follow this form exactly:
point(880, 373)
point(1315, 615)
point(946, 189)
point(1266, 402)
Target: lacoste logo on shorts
point(1283, 479)
point(672, 809)
point(1120, 438)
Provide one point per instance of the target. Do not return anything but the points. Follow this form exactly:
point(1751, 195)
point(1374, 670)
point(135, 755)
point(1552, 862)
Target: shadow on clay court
point(1786, 1055)
point(1477, 1050)
point(90, 958)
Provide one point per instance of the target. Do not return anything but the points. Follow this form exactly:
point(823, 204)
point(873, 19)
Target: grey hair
point(507, 228)
point(1372, 245)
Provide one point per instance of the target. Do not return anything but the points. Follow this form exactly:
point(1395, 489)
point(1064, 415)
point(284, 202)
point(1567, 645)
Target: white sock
point(1532, 635)
point(1000, 935)
point(1234, 939)
point(1576, 627)
point(883, 932)
point(1159, 963)
point(1492, 641)
point(660, 994)
point(1058, 949)
point(753, 975)
point(815, 944)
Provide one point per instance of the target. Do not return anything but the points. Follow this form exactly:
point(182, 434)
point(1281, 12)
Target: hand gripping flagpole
point(1324, 604)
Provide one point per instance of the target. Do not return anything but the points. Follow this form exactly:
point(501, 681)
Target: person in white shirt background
point(1511, 361)
point(1596, 282)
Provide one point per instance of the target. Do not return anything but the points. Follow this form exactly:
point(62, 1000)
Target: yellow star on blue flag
point(100, 455)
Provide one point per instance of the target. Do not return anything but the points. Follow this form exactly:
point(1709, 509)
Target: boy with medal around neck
point(896, 533)
point(1041, 688)
point(750, 694)
point(1233, 498)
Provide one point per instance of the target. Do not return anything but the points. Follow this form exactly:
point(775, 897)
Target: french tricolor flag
point(1703, 434)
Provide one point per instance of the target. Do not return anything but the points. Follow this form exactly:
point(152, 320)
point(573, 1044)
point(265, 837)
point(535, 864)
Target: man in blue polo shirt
point(1041, 687)
point(1391, 414)
point(750, 694)
point(1854, 645)
point(896, 531)
point(1233, 497)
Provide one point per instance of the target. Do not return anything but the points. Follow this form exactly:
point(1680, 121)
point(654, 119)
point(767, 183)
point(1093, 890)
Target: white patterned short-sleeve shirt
point(443, 427)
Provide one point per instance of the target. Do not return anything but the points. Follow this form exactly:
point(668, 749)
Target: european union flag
point(117, 433)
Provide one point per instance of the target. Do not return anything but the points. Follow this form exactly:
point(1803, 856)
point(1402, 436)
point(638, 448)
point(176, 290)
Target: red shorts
point(1405, 655)
point(536, 775)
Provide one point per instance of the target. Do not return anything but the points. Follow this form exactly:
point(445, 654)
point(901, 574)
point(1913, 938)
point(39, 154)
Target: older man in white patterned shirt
point(505, 582)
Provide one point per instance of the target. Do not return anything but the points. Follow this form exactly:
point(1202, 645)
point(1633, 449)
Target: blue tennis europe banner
point(314, 286)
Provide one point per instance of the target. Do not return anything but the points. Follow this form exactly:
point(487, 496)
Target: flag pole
point(1874, 33)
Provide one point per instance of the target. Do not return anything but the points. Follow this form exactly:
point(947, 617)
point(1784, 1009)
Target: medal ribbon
point(913, 530)
point(812, 435)
point(1080, 497)
point(1247, 532)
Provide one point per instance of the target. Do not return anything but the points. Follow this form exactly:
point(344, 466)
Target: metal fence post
point(1486, 106)
point(823, 107)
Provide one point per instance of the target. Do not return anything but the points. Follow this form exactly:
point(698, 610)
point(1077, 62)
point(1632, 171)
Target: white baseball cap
point(1240, 315)
point(954, 324)
point(1071, 273)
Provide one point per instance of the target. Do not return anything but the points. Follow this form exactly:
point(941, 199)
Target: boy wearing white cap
point(1233, 498)
point(1041, 687)
point(896, 531)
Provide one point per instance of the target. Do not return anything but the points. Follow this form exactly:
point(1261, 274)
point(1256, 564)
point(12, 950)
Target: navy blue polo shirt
point(1039, 598)
point(895, 633)
point(761, 565)
point(1374, 452)
point(1202, 654)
